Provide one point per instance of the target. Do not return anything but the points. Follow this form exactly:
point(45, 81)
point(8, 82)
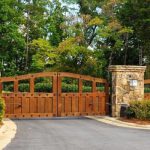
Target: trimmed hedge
point(47, 87)
point(2, 109)
point(139, 110)
point(146, 90)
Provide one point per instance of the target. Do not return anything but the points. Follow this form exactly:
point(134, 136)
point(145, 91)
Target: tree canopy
point(77, 36)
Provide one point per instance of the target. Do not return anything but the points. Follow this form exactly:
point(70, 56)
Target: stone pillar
point(127, 85)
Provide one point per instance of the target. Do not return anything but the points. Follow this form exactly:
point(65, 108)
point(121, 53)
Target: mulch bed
point(137, 121)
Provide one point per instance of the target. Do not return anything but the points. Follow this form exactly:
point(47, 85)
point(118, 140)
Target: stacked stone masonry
point(127, 85)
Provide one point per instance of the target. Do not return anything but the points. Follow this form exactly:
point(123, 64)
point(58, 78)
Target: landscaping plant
point(2, 109)
point(139, 110)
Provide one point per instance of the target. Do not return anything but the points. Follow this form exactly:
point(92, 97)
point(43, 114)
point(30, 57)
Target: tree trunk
point(126, 48)
point(140, 56)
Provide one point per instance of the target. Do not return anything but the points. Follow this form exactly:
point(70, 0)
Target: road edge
point(7, 132)
point(116, 122)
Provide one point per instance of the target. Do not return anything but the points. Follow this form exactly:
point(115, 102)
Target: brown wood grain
point(39, 104)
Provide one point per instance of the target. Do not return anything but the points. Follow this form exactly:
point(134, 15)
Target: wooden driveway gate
point(53, 94)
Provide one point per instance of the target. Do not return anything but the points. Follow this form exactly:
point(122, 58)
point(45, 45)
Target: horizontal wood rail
point(147, 81)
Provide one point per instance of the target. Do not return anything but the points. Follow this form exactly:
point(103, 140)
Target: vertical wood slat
point(83, 102)
point(17, 105)
point(93, 86)
point(11, 102)
point(7, 103)
point(87, 104)
point(95, 104)
point(103, 105)
point(25, 105)
point(67, 104)
point(80, 96)
point(41, 105)
point(1, 87)
point(31, 85)
point(80, 86)
point(74, 106)
point(59, 89)
point(100, 104)
point(32, 102)
point(16, 86)
point(33, 105)
point(55, 93)
point(48, 105)
point(107, 98)
point(63, 105)
point(94, 90)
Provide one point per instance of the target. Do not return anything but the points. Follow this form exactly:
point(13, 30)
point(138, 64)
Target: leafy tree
point(37, 35)
point(135, 14)
point(11, 40)
point(45, 55)
point(54, 24)
point(75, 58)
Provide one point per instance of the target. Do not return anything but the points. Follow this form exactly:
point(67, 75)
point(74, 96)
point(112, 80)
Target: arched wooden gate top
point(50, 74)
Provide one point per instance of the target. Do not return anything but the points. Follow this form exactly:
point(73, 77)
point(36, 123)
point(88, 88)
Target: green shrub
point(43, 87)
point(146, 90)
point(129, 113)
point(24, 87)
point(101, 89)
point(69, 87)
point(139, 110)
point(2, 109)
point(47, 87)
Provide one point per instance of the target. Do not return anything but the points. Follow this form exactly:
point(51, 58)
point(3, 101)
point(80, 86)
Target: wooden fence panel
point(82, 103)
point(31, 104)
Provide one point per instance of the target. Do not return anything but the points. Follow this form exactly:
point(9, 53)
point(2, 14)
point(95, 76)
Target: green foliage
point(69, 88)
point(89, 8)
point(45, 55)
point(75, 58)
point(56, 19)
point(24, 87)
point(146, 90)
point(48, 35)
point(135, 14)
point(139, 110)
point(2, 109)
point(12, 42)
point(47, 87)
point(129, 113)
point(43, 87)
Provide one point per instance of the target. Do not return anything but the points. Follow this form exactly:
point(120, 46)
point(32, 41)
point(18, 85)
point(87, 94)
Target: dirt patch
point(1, 124)
point(136, 121)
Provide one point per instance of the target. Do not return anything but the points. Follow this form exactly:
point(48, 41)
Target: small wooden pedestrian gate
point(53, 94)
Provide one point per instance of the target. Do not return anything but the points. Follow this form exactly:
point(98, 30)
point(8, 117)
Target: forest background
point(78, 36)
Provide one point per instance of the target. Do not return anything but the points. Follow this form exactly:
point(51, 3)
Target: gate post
point(127, 85)
point(59, 91)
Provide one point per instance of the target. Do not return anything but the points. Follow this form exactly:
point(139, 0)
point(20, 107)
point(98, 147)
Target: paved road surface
point(76, 134)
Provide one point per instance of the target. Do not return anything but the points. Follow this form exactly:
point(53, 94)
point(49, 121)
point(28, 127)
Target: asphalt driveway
point(76, 134)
